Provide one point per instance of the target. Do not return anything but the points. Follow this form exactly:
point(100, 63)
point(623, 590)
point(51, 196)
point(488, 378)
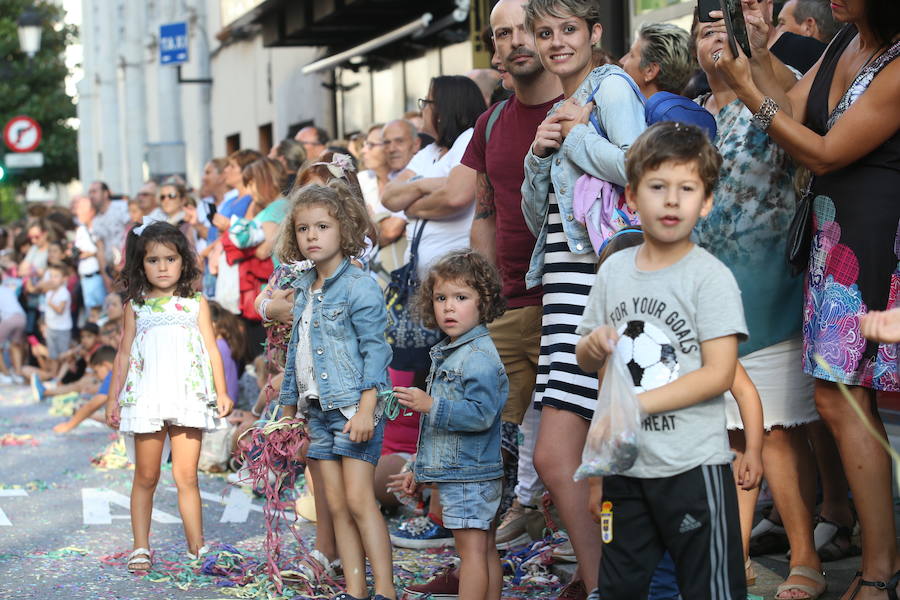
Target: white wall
point(256, 85)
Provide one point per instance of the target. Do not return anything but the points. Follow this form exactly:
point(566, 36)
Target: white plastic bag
point(612, 440)
point(215, 449)
point(228, 286)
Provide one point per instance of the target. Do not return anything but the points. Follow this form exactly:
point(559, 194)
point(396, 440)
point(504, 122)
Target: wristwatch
point(763, 117)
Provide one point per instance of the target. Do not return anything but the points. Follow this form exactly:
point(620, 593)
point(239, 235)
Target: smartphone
point(736, 27)
point(704, 7)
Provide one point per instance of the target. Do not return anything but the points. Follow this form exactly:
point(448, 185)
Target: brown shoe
point(443, 585)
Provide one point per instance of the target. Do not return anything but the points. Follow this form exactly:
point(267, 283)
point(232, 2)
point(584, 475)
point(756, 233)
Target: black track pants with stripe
point(693, 515)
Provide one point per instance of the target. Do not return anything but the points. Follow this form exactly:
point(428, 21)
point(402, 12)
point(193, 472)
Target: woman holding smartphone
point(842, 122)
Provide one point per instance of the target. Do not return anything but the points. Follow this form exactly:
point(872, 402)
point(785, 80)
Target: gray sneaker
point(512, 530)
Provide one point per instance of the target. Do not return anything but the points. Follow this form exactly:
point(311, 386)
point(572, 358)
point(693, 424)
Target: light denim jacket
point(350, 354)
point(459, 438)
point(621, 115)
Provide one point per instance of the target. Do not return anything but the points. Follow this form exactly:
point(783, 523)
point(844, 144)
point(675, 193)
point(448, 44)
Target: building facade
point(259, 70)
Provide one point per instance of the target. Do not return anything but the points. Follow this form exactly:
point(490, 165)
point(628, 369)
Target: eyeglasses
point(423, 102)
point(373, 144)
point(170, 196)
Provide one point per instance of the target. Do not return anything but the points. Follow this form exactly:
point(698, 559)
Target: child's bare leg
point(349, 543)
point(16, 356)
point(388, 465)
point(325, 542)
point(148, 449)
point(185, 457)
point(474, 573)
point(28, 371)
point(746, 499)
point(359, 477)
point(495, 568)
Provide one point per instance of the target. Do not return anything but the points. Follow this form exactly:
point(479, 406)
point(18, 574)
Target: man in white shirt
point(93, 289)
point(108, 225)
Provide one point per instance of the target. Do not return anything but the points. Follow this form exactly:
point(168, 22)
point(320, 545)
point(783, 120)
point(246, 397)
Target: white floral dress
point(170, 377)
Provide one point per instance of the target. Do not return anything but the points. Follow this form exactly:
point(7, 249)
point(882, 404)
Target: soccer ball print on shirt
point(648, 354)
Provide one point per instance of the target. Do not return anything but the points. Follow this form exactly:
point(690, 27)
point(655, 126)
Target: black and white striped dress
point(567, 281)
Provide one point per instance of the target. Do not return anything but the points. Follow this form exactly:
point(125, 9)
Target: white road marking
point(95, 504)
point(238, 504)
point(4, 520)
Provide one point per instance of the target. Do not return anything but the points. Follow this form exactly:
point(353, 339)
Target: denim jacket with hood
point(350, 354)
point(621, 115)
point(459, 438)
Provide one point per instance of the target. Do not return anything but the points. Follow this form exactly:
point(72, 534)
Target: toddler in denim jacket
point(336, 366)
point(459, 435)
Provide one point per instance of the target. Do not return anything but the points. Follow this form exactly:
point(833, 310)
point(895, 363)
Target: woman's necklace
point(867, 63)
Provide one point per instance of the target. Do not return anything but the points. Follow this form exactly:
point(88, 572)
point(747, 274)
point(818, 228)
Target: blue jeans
point(664, 585)
point(329, 442)
point(470, 504)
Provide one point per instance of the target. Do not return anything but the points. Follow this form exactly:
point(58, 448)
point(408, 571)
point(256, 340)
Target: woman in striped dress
point(566, 147)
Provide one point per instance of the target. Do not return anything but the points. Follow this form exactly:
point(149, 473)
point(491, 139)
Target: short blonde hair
point(342, 203)
point(589, 10)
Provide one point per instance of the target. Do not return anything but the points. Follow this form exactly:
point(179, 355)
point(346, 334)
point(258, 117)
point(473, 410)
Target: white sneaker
point(5, 379)
point(18, 379)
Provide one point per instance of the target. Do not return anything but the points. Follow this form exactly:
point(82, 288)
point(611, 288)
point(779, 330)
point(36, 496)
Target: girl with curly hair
point(459, 439)
point(336, 370)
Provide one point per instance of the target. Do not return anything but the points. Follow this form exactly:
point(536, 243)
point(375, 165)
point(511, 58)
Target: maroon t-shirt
point(503, 160)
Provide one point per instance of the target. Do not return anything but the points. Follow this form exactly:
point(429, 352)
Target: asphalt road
point(65, 522)
point(61, 515)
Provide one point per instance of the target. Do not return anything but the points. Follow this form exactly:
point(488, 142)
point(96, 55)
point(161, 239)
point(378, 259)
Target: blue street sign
point(173, 43)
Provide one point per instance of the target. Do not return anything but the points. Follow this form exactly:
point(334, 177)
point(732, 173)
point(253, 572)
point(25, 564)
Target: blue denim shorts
point(470, 504)
point(328, 442)
point(93, 291)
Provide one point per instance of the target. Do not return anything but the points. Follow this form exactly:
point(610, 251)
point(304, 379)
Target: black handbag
point(800, 233)
point(408, 338)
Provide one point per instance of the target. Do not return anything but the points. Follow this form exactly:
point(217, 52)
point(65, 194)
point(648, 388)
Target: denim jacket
point(350, 354)
point(459, 438)
point(621, 114)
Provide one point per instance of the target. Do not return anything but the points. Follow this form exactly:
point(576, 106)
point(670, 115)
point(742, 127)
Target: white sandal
point(817, 577)
point(140, 556)
point(203, 550)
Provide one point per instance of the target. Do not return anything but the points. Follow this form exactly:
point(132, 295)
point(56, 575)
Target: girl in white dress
point(168, 380)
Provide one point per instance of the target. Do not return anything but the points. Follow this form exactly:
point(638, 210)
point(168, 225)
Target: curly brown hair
point(342, 204)
point(471, 268)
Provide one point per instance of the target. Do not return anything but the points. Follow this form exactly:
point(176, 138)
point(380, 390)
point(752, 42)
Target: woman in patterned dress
point(842, 122)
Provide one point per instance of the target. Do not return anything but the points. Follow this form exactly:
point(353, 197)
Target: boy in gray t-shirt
point(674, 312)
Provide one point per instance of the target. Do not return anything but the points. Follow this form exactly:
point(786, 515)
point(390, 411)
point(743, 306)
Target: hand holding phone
point(736, 27)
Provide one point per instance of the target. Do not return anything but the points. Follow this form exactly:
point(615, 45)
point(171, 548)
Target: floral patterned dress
point(853, 265)
point(170, 378)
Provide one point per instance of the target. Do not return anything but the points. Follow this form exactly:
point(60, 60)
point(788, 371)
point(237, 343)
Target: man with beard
point(492, 171)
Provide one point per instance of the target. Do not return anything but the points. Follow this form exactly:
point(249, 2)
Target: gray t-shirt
point(662, 317)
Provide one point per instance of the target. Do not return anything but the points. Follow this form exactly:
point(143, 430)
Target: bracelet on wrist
point(255, 413)
point(263, 309)
point(762, 119)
